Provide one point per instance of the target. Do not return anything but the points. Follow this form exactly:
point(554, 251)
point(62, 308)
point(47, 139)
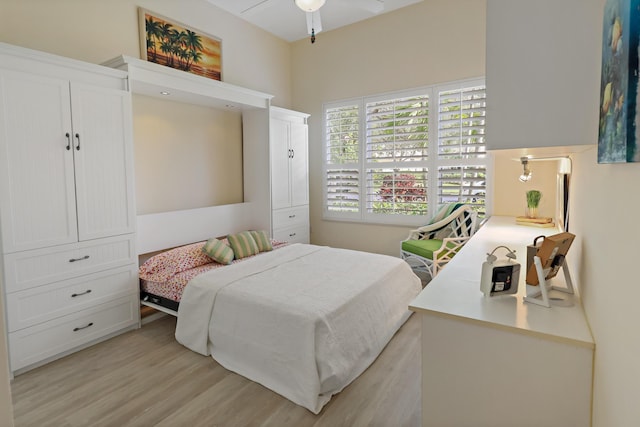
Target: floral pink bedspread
point(173, 287)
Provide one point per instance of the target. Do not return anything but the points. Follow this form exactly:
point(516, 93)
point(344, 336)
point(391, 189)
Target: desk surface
point(455, 291)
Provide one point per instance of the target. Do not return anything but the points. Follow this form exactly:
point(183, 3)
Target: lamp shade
point(309, 5)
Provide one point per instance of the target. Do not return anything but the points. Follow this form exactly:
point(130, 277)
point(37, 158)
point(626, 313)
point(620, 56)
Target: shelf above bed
point(150, 79)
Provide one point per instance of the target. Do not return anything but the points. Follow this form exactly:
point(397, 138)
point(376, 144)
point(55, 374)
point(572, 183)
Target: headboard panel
point(169, 229)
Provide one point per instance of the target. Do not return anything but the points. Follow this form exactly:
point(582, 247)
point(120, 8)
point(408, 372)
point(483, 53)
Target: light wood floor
point(145, 378)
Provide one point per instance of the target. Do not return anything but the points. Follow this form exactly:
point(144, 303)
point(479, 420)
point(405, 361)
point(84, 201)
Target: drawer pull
point(292, 216)
point(79, 259)
point(83, 327)
point(292, 235)
point(88, 291)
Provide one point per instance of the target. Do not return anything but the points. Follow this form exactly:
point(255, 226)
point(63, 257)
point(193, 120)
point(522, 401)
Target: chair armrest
point(424, 230)
point(450, 247)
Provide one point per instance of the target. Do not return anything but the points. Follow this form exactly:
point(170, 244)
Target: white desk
point(498, 361)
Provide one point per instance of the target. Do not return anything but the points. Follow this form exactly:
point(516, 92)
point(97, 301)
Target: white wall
point(186, 156)
point(407, 48)
point(604, 216)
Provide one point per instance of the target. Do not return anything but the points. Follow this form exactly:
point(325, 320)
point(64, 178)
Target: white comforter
point(302, 320)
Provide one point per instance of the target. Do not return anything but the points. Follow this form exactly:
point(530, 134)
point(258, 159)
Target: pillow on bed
point(218, 250)
point(165, 265)
point(262, 240)
point(243, 244)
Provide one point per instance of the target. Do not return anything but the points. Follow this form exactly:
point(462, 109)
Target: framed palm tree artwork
point(178, 46)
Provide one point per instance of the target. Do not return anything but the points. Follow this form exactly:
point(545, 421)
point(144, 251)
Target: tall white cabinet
point(289, 175)
point(533, 62)
point(67, 214)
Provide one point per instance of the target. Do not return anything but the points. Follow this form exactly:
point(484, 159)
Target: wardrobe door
point(280, 160)
point(37, 195)
point(299, 165)
point(103, 161)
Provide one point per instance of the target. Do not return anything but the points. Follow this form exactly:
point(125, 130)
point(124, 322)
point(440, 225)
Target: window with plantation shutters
point(462, 170)
point(397, 150)
point(342, 178)
point(384, 162)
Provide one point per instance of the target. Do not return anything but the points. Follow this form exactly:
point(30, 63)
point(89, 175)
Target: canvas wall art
point(619, 125)
point(178, 46)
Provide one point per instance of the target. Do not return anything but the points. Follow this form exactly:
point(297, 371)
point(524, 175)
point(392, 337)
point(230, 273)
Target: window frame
point(433, 163)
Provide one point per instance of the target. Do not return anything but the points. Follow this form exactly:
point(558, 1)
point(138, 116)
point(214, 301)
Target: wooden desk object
point(498, 361)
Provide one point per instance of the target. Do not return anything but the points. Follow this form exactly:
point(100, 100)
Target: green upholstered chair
point(431, 247)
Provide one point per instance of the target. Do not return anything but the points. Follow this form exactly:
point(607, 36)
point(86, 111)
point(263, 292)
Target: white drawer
point(24, 270)
point(40, 342)
point(299, 234)
point(36, 305)
point(283, 218)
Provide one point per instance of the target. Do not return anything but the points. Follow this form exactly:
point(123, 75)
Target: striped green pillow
point(262, 240)
point(218, 251)
point(243, 244)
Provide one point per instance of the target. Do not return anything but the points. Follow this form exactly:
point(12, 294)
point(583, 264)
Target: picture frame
point(173, 44)
point(619, 124)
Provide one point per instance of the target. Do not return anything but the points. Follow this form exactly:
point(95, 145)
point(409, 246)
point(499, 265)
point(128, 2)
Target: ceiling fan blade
point(373, 6)
point(314, 24)
point(253, 6)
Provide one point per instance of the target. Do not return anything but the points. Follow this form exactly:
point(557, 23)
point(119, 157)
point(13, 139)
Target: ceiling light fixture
point(526, 174)
point(309, 5)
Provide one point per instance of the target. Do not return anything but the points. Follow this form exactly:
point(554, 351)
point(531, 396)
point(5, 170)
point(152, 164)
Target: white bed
point(303, 321)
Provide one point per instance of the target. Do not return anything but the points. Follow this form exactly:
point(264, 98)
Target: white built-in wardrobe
point(289, 175)
point(67, 216)
point(67, 213)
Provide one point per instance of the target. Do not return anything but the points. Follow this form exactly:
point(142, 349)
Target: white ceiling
point(285, 20)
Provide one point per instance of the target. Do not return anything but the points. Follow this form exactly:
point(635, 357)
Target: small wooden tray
point(537, 220)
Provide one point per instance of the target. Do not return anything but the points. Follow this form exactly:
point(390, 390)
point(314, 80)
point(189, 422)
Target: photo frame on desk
point(549, 258)
point(552, 253)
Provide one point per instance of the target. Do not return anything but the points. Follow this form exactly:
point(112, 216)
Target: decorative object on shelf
point(178, 46)
point(533, 200)
point(500, 277)
point(526, 172)
point(617, 142)
point(550, 256)
point(541, 221)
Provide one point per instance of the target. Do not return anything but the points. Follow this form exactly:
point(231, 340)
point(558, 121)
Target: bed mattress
point(304, 321)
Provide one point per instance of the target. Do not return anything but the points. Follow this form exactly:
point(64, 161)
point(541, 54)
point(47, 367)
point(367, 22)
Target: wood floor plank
point(145, 378)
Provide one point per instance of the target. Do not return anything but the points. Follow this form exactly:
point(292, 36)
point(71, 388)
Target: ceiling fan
point(312, 9)
point(314, 23)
